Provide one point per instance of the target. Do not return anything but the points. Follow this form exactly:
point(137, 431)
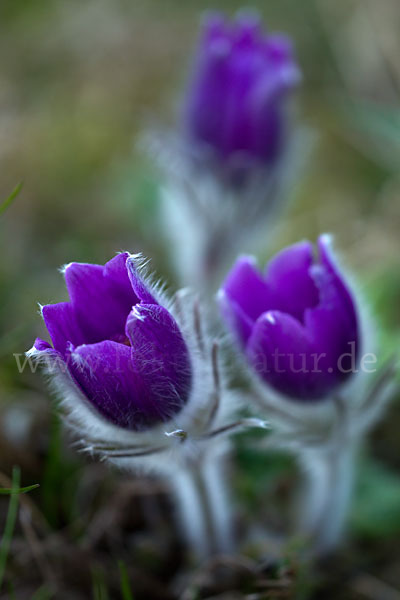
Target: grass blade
point(125, 584)
point(98, 585)
point(8, 201)
point(10, 522)
point(23, 490)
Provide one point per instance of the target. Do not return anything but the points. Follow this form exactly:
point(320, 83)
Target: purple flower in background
point(235, 104)
point(124, 351)
point(297, 324)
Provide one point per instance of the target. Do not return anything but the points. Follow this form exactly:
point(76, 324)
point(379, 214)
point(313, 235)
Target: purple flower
point(235, 104)
point(297, 324)
point(123, 350)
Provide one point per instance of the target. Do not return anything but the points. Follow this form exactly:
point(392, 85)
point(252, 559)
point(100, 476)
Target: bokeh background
point(80, 80)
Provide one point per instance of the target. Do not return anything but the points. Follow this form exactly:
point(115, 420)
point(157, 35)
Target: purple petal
point(101, 297)
point(142, 291)
point(207, 98)
point(347, 301)
point(42, 346)
point(62, 325)
point(267, 106)
point(48, 356)
point(235, 317)
point(289, 280)
point(246, 287)
point(161, 355)
point(239, 125)
point(279, 48)
point(106, 375)
point(248, 29)
point(214, 27)
point(333, 324)
point(282, 353)
point(109, 377)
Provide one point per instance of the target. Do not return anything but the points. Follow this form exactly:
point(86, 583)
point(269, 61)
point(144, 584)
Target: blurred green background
point(79, 82)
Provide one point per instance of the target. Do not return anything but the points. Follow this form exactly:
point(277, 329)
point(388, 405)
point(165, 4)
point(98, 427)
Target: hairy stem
point(327, 495)
point(203, 506)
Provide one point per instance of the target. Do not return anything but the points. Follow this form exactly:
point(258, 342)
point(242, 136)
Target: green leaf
point(23, 490)
point(8, 201)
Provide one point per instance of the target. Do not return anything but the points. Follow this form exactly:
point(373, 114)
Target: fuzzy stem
point(214, 258)
point(328, 491)
point(203, 506)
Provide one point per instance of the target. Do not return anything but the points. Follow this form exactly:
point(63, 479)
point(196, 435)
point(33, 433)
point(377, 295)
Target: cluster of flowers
point(139, 374)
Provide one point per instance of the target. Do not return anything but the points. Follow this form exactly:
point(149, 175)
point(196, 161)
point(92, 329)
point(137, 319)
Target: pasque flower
point(135, 370)
point(235, 104)
point(123, 350)
point(141, 384)
point(297, 323)
point(302, 331)
point(235, 151)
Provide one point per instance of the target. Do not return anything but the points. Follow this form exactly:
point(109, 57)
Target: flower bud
point(236, 100)
point(298, 323)
point(122, 349)
point(136, 373)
